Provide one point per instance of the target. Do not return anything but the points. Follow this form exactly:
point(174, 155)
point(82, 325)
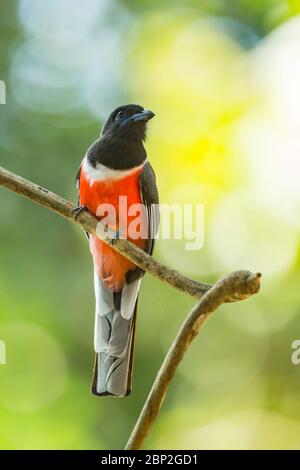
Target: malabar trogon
point(115, 169)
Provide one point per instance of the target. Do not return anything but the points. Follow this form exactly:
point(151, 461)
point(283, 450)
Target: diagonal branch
point(240, 281)
point(89, 223)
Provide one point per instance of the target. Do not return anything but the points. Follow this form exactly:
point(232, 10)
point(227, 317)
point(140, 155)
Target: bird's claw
point(117, 235)
point(78, 211)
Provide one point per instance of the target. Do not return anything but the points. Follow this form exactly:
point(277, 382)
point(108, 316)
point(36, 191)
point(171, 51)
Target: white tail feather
point(128, 299)
point(114, 336)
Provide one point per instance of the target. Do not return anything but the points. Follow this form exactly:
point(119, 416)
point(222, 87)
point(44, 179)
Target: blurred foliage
point(223, 79)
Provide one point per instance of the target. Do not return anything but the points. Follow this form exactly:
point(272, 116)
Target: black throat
point(120, 153)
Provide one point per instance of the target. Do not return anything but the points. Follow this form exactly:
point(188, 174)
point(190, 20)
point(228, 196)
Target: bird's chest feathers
point(102, 185)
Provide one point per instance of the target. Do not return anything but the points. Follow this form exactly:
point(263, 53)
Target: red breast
point(110, 265)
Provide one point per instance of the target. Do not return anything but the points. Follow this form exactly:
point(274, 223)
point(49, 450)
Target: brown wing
point(77, 182)
point(150, 199)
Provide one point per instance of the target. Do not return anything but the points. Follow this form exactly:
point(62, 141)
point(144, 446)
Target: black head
point(127, 121)
point(120, 146)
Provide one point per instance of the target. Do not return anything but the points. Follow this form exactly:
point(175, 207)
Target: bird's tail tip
point(99, 387)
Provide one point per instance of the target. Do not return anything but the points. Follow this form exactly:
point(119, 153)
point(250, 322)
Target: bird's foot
point(117, 235)
point(78, 211)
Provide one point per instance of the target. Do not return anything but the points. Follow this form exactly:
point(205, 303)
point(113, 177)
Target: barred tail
point(114, 340)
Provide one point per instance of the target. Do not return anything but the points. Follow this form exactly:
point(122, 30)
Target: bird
point(115, 168)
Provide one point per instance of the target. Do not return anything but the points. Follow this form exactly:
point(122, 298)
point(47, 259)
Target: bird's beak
point(144, 115)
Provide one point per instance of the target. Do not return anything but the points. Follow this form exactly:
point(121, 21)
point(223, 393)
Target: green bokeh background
point(223, 79)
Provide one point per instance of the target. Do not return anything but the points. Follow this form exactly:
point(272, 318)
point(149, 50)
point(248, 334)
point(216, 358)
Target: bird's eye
point(120, 115)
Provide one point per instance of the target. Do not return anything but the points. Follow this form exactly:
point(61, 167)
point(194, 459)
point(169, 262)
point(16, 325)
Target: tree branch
point(90, 223)
point(236, 286)
point(239, 281)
